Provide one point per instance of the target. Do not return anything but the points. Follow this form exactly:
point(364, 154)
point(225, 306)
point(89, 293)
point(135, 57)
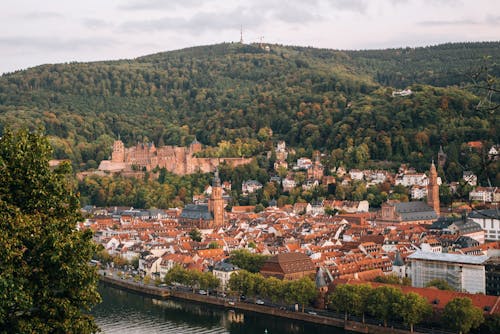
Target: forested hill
point(336, 101)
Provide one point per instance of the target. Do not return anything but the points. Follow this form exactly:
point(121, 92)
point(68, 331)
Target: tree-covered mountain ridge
point(336, 101)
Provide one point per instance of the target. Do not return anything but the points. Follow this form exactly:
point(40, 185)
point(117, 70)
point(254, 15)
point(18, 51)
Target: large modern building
point(465, 273)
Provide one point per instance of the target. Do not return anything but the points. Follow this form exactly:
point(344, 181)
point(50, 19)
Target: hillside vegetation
point(339, 102)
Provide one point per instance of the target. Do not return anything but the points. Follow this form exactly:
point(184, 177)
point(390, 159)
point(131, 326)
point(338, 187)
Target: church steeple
point(216, 202)
point(216, 179)
point(433, 190)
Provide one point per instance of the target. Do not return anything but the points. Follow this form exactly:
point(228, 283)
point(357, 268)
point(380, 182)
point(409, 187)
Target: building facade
point(492, 268)
point(289, 266)
point(223, 271)
point(465, 273)
point(489, 220)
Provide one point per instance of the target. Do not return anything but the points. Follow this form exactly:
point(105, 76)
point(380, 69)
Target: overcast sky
point(34, 32)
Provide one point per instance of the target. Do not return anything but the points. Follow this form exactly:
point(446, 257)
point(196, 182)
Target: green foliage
point(229, 93)
point(168, 191)
point(383, 303)
point(491, 325)
point(46, 281)
point(392, 279)
point(441, 284)
point(301, 291)
point(195, 235)
point(460, 315)
point(247, 261)
point(347, 299)
point(413, 309)
point(214, 245)
point(191, 278)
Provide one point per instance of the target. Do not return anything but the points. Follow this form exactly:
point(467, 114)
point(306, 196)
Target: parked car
point(259, 302)
point(202, 292)
point(312, 313)
point(231, 303)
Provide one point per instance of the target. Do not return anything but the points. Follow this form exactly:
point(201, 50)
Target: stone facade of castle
point(175, 159)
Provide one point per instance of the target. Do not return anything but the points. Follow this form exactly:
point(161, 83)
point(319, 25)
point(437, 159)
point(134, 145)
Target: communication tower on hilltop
point(241, 34)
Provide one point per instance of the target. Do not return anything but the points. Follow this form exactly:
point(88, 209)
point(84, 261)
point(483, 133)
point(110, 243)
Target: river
point(122, 312)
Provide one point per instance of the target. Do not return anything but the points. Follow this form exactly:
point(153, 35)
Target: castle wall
point(175, 159)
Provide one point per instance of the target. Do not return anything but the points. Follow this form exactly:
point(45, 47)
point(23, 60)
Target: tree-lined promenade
point(387, 306)
point(384, 303)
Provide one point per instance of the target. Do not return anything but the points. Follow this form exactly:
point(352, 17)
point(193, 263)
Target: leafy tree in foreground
point(347, 299)
point(46, 282)
point(413, 309)
point(460, 315)
point(383, 302)
point(303, 291)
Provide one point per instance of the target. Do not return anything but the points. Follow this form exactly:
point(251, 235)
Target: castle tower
point(433, 190)
point(118, 154)
point(195, 146)
point(216, 202)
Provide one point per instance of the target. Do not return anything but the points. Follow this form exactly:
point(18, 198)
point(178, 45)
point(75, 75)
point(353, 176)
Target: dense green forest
point(339, 102)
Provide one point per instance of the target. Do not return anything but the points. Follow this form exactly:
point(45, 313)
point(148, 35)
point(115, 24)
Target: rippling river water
point(123, 312)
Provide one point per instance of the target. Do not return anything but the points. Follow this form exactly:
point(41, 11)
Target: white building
point(470, 178)
point(375, 176)
point(418, 192)
point(464, 273)
point(223, 272)
point(412, 179)
point(489, 220)
point(304, 163)
point(250, 186)
point(356, 174)
point(288, 184)
point(485, 194)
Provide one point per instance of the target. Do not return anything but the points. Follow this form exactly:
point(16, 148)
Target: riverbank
point(164, 293)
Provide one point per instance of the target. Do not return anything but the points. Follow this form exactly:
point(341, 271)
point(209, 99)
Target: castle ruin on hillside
point(175, 159)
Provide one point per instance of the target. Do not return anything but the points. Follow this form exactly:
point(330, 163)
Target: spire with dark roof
point(398, 260)
point(216, 179)
point(320, 278)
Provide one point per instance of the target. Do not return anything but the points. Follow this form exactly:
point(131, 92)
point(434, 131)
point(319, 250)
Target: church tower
point(216, 202)
point(441, 157)
point(433, 190)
